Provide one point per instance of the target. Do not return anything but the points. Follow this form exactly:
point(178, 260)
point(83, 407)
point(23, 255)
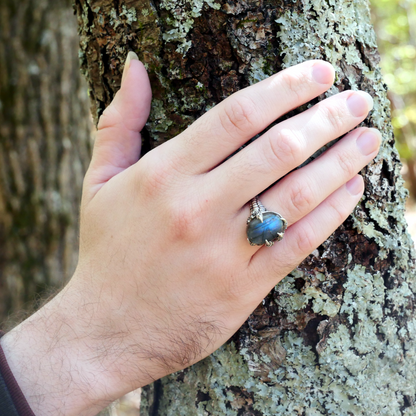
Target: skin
point(165, 273)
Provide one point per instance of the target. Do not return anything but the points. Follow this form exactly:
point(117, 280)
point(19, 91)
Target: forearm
point(54, 364)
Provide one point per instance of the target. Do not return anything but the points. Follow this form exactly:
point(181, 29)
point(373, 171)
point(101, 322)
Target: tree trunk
point(337, 336)
point(44, 147)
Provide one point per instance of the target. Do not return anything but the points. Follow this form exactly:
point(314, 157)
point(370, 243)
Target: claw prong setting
point(264, 227)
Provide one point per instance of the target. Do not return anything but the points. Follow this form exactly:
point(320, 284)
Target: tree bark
point(337, 336)
point(44, 148)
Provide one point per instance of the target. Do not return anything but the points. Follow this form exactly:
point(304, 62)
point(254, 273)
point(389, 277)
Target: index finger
point(230, 124)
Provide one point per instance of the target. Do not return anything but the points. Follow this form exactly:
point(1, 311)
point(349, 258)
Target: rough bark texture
point(44, 147)
point(338, 335)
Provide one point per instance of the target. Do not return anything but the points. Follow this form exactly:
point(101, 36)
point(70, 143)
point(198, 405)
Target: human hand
point(166, 274)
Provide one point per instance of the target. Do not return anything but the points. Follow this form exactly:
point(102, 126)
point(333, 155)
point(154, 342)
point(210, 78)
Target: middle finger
point(286, 146)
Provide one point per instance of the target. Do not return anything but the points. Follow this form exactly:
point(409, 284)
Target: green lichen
point(259, 70)
point(364, 295)
point(321, 303)
point(159, 121)
point(129, 14)
point(291, 300)
point(114, 18)
point(200, 86)
point(182, 16)
point(192, 101)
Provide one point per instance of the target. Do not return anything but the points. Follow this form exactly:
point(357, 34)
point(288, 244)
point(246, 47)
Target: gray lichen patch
point(130, 14)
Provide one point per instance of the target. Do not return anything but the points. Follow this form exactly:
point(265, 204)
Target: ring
point(264, 227)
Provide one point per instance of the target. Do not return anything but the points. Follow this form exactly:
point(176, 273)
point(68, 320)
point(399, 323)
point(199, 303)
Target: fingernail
point(323, 73)
point(355, 185)
point(131, 55)
point(360, 103)
point(369, 141)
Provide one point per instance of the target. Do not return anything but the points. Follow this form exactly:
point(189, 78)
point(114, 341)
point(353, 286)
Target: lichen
point(159, 122)
point(181, 19)
point(130, 14)
point(364, 295)
point(259, 70)
point(321, 303)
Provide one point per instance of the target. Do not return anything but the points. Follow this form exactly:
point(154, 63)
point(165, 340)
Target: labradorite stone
point(258, 232)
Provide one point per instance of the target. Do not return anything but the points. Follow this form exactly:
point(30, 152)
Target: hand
point(165, 273)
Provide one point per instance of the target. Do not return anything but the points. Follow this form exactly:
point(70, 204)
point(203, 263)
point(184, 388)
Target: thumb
point(118, 140)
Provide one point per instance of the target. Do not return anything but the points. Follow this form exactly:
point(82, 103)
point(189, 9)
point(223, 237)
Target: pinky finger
point(307, 234)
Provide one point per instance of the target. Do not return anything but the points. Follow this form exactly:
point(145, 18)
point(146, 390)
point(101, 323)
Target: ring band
point(264, 227)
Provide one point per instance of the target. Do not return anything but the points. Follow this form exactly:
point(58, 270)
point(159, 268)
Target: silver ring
point(264, 227)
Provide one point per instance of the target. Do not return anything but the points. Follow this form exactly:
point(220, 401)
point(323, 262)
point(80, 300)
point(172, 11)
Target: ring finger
point(303, 190)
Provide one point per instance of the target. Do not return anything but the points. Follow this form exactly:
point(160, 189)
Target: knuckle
point(200, 128)
point(335, 116)
point(285, 148)
point(346, 163)
point(154, 178)
point(281, 267)
point(158, 172)
point(109, 118)
point(305, 241)
point(238, 115)
point(301, 197)
point(294, 83)
point(338, 211)
point(186, 222)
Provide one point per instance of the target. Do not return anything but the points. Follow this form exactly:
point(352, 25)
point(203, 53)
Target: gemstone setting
point(265, 228)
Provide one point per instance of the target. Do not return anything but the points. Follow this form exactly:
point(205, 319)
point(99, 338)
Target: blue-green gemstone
point(258, 232)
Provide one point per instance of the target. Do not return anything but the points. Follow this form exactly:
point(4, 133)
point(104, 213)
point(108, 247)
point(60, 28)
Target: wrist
point(13, 398)
point(53, 362)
